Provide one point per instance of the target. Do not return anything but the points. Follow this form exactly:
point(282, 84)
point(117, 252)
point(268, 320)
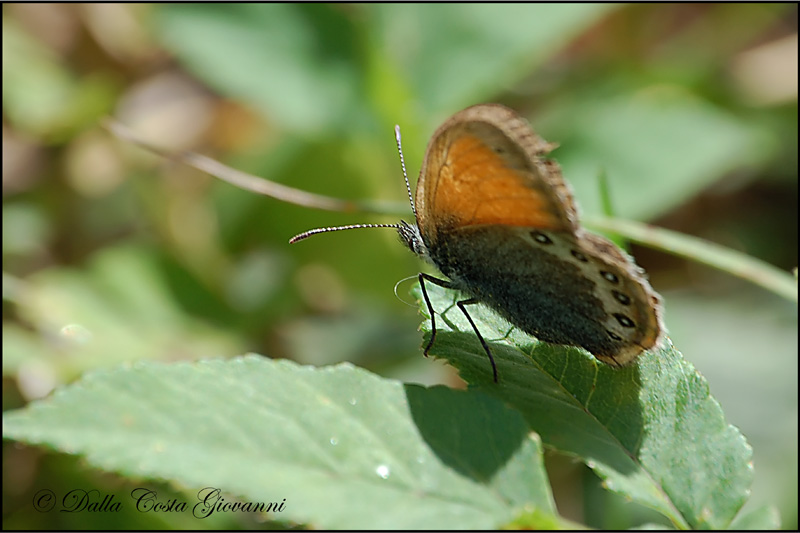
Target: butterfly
point(497, 219)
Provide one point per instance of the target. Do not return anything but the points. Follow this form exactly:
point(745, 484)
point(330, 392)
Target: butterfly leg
point(461, 304)
point(442, 283)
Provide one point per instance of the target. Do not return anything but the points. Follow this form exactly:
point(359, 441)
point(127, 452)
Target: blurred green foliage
point(111, 255)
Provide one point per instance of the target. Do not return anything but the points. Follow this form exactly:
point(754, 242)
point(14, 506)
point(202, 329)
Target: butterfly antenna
point(311, 232)
point(403, 164)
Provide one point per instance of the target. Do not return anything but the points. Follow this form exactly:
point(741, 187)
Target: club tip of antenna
point(299, 237)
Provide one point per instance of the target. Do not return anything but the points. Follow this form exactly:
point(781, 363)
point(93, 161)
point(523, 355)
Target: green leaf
point(345, 448)
point(41, 96)
point(307, 66)
point(119, 308)
point(763, 518)
point(459, 55)
point(659, 147)
point(650, 430)
point(295, 63)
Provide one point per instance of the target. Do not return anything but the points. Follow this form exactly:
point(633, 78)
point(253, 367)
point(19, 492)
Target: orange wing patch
point(476, 185)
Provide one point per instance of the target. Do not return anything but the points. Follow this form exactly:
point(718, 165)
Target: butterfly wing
point(632, 309)
point(484, 166)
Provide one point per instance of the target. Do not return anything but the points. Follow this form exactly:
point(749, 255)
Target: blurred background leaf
point(112, 255)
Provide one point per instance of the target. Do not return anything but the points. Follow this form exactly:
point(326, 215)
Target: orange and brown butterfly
point(499, 221)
